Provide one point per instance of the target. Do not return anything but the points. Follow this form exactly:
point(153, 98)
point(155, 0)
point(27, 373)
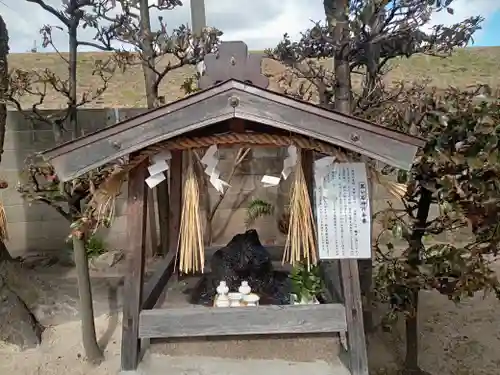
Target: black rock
point(244, 259)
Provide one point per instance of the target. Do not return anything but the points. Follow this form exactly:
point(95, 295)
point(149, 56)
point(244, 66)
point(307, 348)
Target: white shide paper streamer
point(322, 168)
point(157, 168)
point(210, 160)
point(288, 164)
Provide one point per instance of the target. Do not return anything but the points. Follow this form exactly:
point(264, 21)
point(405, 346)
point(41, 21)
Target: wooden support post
point(358, 358)
point(152, 237)
point(163, 216)
point(366, 274)
point(175, 198)
point(307, 159)
point(136, 229)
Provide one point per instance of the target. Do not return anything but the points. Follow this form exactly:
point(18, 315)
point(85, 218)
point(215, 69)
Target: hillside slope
point(468, 66)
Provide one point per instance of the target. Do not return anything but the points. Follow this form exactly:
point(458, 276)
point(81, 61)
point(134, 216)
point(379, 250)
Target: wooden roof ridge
point(232, 99)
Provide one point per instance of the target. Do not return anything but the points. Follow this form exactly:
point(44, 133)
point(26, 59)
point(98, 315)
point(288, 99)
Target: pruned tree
point(363, 37)
point(28, 91)
point(378, 31)
point(158, 51)
point(132, 26)
point(457, 172)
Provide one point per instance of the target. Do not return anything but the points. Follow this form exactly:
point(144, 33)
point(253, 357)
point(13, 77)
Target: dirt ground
point(455, 339)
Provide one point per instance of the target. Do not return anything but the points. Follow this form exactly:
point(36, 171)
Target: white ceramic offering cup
point(251, 299)
point(234, 299)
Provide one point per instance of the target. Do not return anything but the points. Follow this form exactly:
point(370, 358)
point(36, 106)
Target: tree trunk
point(72, 67)
point(411, 358)
point(148, 61)
point(153, 100)
point(336, 12)
point(92, 350)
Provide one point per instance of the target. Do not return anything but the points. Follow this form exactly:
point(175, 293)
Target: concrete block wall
point(38, 227)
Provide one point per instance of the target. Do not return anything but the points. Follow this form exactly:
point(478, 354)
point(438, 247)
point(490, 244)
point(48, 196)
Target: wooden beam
point(136, 229)
point(354, 316)
point(307, 160)
point(152, 234)
point(393, 148)
point(158, 281)
point(175, 206)
point(330, 273)
point(366, 272)
point(162, 195)
point(195, 321)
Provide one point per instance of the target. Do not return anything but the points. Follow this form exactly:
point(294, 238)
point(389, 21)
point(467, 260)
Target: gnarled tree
point(28, 91)
point(158, 52)
point(367, 35)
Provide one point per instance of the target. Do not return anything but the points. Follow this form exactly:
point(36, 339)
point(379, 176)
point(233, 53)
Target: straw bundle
point(394, 188)
point(103, 203)
point(300, 242)
point(4, 236)
point(191, 251)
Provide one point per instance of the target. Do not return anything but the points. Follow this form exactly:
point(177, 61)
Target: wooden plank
point(330, 273)
point(334, 116)
point(162, 195)
point(365, 267)
point(196, 321)
point(136, 229)
point(82, 160)
point(354, 317)
point(152, 234)
point(212, 106)
point(362, 140)
point(176, 182)
point(158, 281)
point(148, 116)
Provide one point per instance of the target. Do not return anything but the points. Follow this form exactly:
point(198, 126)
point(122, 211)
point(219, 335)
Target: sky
point(259, 23)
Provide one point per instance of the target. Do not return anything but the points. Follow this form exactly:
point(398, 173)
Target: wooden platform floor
point(300, 348)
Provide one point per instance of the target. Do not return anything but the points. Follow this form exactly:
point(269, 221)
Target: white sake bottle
point(244, 288)
point(222, 300)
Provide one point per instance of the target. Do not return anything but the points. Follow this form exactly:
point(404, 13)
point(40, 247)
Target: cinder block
point(18, 213)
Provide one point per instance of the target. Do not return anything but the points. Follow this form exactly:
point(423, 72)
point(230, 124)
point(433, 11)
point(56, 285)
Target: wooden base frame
point(142, 321)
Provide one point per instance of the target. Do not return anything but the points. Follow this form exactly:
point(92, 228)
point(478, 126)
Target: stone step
point(205, 365)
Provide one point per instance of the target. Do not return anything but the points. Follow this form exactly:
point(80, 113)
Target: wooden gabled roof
point(232, 99)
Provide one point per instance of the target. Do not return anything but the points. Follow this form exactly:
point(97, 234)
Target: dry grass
point(300, 242)
point(466, 67)
point(191, 251)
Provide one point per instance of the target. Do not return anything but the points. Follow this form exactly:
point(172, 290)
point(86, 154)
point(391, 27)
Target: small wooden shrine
point(233, 107)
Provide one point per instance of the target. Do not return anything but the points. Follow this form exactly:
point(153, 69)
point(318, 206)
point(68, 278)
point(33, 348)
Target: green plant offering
point(258, 208)
point(306, 283)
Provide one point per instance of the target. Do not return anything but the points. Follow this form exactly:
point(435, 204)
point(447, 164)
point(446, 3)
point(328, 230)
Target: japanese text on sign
point(343, 212)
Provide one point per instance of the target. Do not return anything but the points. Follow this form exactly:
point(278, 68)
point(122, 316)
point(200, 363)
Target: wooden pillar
point(136, 230)
point(366, 273)
point(307, 160)
point(175, 199)
point(152, 237)
point(356, 340)
point(163, 216)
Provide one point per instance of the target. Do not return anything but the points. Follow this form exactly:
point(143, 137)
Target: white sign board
point(342, 211)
